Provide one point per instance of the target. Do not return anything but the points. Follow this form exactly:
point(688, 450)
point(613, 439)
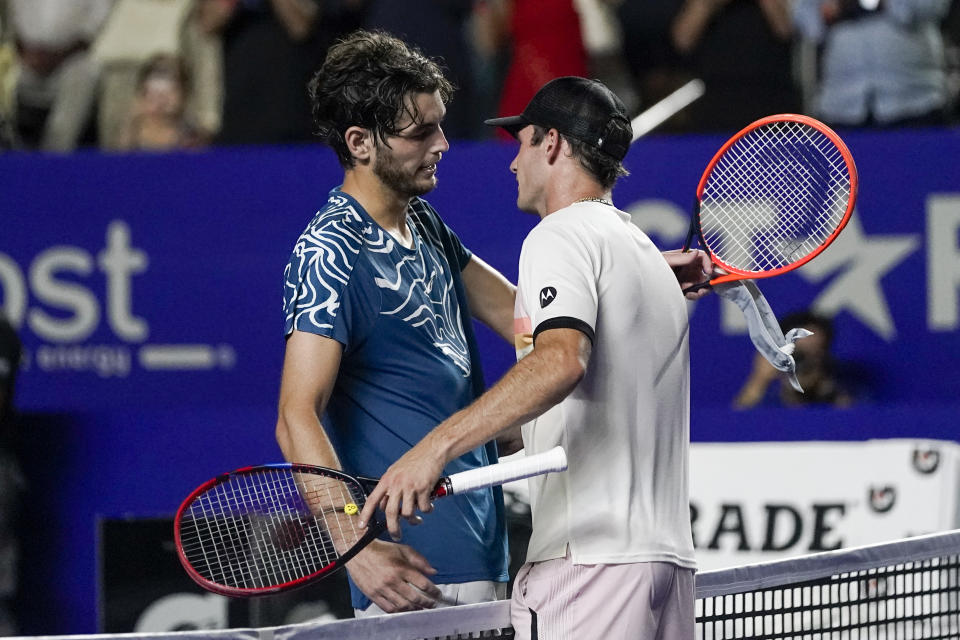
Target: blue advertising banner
point(147, 291)
point(156, 280)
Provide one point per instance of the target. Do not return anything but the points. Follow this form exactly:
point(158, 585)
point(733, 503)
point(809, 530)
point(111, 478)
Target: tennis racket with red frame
point(264, 529)
point(773, 198)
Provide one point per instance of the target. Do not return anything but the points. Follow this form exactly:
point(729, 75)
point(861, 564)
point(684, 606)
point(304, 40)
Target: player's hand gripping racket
point(274, 527)
point(772, 198)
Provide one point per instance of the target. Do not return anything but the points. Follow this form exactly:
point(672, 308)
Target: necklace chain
point(600, 200)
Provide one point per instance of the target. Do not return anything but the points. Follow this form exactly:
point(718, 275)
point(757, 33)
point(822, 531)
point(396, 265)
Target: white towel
point(765, 332)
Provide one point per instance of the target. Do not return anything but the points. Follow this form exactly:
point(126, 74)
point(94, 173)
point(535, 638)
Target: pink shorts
point(559, 600)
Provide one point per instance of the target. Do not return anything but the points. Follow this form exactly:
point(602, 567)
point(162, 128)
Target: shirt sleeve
point(558, 280)
point(460, 252)
point(326, 292)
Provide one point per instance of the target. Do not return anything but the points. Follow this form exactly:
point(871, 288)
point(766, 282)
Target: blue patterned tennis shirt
point(409, 362)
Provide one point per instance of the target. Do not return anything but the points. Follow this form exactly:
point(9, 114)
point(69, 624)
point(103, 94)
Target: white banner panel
point(755, 502)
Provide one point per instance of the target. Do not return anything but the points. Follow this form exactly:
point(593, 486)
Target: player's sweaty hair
point(364, 82)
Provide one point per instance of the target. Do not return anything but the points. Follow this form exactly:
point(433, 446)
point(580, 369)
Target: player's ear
point(552, 143)
point(359, 142)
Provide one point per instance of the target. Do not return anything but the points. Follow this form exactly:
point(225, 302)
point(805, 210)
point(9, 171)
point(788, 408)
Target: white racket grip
point(495, 474)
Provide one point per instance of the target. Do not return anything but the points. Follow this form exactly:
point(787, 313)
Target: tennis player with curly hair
point(378, 299)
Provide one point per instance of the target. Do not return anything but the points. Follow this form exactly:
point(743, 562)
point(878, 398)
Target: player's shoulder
point(428, 222)
point(424, 213)
point(332, 244)
point(338, 222)
point(559, 226)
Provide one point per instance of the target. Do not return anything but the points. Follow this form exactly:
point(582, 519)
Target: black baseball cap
point(580, 108)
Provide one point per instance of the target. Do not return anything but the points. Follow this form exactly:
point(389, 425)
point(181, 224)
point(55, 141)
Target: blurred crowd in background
point(176, 74)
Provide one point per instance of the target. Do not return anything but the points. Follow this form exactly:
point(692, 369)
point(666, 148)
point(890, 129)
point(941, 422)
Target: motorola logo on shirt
point(547, 295)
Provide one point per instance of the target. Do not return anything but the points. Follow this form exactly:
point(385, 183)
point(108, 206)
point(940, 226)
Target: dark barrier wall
point(147, 291)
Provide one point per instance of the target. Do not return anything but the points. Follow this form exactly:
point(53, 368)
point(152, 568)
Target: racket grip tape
point(496, 474)
point(697, 287)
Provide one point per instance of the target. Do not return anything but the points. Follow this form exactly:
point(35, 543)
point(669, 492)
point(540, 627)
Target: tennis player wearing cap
point(602, 336)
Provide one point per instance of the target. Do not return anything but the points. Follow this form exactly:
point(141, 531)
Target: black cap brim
point(512, 124)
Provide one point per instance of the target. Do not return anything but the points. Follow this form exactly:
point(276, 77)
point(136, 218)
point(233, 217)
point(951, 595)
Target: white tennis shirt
point(625, 427)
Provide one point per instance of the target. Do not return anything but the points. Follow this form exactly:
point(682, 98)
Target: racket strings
point(744, 230)
point(269, 527)
point(258, 535)
point(774, 197)
point(220, 555)
point(802, 157)
point(789, 225)
point(282, 546)
point(332, 509)
point(752, 160)
point(286, 531)
point(226, 527)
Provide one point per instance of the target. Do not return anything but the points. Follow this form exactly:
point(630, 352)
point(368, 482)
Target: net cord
point(821, 565)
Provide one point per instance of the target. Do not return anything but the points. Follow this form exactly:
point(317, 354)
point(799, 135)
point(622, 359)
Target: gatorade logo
point(926, 461)
point(547, 295)
point(882, 499)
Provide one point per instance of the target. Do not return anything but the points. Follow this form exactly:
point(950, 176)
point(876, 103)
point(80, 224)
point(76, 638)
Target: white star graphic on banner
point(864, 261)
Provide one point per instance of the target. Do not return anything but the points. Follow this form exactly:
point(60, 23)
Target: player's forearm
point(529, 389)
point(302, 438)
point(310, 366)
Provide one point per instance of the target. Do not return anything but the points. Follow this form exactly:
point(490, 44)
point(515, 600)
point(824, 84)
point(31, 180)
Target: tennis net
point(907, 590)
point(904, 590)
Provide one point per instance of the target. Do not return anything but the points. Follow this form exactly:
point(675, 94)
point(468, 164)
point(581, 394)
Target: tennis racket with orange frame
point(773, 198)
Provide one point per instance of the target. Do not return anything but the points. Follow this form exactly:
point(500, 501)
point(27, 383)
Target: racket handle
point(697, 287)
point(495, 474)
